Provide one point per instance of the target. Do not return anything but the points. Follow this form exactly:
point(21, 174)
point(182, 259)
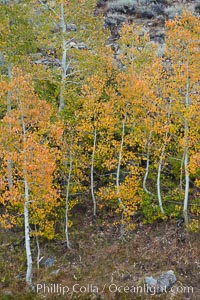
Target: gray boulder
point(161, 283)
point(47, 262)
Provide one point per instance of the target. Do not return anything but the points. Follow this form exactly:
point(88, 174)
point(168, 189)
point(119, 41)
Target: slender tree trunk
point(181, 171)
point(64, 59)
point(67, 201)
point(187, 181)
point(10, 178)
point(92, 174)
point(9, 162)
point(186, 159)
point(64, 49)
point(26, 211)
point(161, 160)
point(119, 164)
point(159, 174)
point(147, 165)
point(27, 236)
point(38, 248)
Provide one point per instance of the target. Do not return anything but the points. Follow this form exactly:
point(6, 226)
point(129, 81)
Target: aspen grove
point(84, 129)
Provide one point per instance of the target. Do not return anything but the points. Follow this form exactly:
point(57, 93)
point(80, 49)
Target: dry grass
point(100, 257)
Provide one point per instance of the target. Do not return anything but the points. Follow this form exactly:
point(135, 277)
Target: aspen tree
point(33, 161)
point(182, 40)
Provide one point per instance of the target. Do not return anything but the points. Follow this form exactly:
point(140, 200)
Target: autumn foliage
point(126, 139)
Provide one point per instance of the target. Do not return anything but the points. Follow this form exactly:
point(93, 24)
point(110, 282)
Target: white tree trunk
point(186, 159)
point(38, 248)
point(64, 49)
point(147, 165)
point(64, 59)
point(118, 173)
point(9, 162)
point(27, 237)
point(67, 201)
point(161, 159)
point(119, 161)
point(181, 171)
point(92, 174)
point(26, 211)
point(187, 180)
point(159, 174)
point(158, 187)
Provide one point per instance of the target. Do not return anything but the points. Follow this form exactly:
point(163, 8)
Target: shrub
point(122, 5)
point(173, 11)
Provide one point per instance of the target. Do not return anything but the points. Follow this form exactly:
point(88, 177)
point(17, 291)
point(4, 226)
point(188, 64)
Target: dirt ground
point(102, 264)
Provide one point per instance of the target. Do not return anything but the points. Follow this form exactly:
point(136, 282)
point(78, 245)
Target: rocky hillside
point(152, 14)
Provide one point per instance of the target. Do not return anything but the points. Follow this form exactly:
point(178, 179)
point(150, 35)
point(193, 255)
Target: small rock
point(47, 262)
point(48, 61)
point(20, 276)
point(82, 46)
point(126, 277)
point(71, 27)
point(180, 222)
point(55, 273)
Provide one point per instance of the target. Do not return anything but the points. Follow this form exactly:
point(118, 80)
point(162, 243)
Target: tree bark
point(118, 173)
point(181, 171)
point(26, 210)
point(38, 248)
point(187, 181)
point(67, 201)
point(119, 161)
point(64, 59)
point(186, 159)
point(27, 236)
point(159, 174)
point(92, 174)
point(9, 162)
point(147, 165)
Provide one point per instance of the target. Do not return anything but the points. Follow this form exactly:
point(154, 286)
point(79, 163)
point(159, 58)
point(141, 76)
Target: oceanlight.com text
point(60, 289)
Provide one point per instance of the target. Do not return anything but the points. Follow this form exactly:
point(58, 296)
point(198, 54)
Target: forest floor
point(100, 261)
